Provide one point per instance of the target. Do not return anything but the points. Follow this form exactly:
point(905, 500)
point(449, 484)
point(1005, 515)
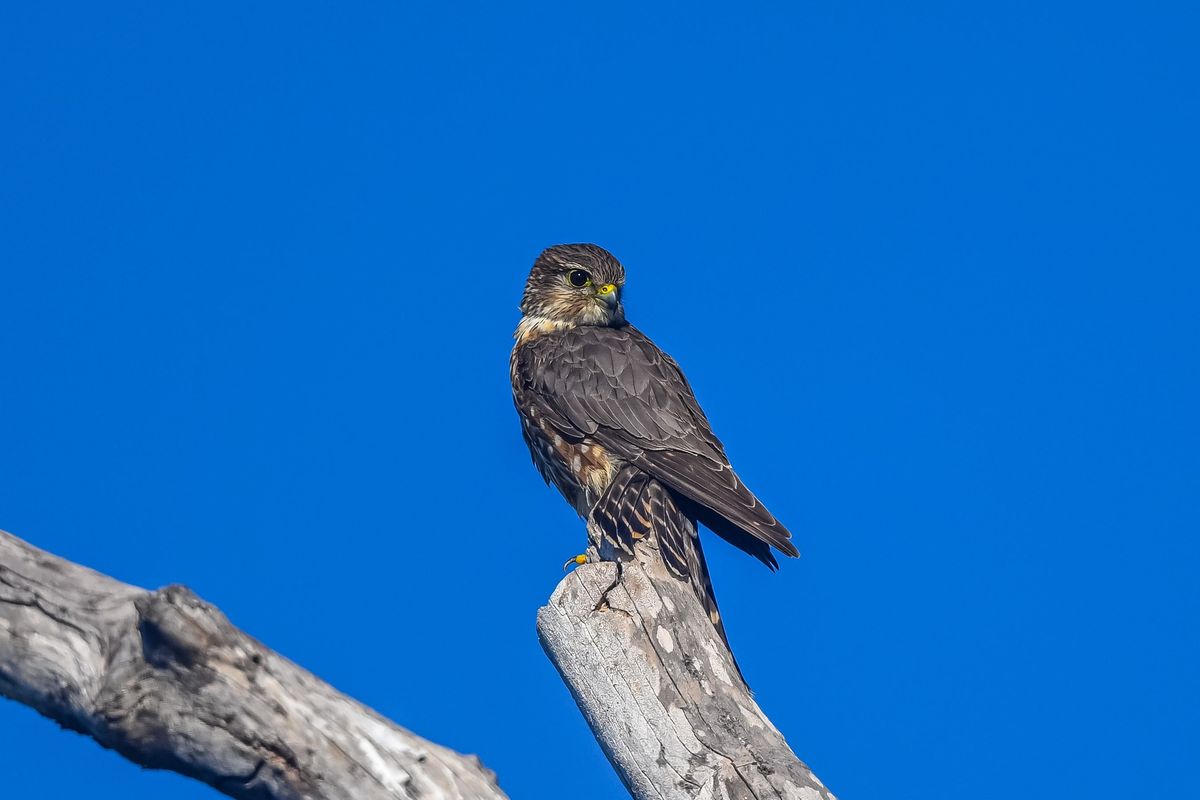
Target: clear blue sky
point(932, 270)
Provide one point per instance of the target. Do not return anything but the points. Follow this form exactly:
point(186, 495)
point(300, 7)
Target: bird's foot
point(575, 561)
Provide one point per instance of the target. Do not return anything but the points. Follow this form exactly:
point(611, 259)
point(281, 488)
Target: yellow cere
point(607, 288)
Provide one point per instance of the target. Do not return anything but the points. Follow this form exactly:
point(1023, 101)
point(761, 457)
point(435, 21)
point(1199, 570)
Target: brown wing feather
point(616, 386)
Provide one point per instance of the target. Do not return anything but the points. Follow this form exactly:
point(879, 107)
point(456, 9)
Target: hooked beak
point(611, 297)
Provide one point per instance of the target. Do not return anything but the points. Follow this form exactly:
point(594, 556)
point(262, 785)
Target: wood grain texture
point(167, 681)
point(661, 691)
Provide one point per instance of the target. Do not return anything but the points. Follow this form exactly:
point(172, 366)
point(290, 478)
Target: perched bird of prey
point(612, 423)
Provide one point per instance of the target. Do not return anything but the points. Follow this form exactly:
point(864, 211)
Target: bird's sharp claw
point(574, 561)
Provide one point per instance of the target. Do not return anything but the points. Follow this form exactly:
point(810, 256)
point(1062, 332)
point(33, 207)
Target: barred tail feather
point(636, 506)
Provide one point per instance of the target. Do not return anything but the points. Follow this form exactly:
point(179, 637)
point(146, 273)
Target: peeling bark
point(661, 691)
point(167, 681)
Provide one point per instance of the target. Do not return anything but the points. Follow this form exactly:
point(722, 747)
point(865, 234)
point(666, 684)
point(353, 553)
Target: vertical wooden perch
point(660, 690)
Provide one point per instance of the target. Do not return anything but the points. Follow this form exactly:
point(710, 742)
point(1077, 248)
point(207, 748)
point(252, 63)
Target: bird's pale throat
point(534, 325)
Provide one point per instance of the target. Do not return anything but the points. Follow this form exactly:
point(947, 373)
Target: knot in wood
point(178, 627)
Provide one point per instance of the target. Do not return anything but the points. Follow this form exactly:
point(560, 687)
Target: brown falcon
point(612, 423)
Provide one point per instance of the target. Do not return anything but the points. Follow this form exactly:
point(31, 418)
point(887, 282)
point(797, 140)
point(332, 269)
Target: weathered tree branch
point(164, 679)
point(660, 689)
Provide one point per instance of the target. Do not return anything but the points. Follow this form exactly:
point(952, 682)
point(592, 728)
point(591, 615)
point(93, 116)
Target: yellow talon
point(577, 560)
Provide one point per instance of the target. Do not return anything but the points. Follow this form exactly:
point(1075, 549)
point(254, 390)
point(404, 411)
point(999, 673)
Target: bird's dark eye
point(578, 278)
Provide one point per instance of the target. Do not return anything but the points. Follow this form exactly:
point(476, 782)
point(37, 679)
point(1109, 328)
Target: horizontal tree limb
point(167, 681)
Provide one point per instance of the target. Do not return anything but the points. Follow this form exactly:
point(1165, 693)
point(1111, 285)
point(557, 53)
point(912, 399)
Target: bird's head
point(575, 284)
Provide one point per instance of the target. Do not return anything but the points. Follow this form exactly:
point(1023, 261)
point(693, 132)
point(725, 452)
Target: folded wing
point(615, 386)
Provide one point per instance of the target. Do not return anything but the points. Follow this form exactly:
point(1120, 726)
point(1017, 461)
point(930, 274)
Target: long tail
point(637, 507)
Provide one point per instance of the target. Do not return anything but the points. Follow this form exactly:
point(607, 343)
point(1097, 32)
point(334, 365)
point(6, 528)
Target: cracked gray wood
point(661, 691)
point(167, 681)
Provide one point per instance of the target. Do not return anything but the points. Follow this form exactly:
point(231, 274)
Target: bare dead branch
point(660, 690)
point(164, 679)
